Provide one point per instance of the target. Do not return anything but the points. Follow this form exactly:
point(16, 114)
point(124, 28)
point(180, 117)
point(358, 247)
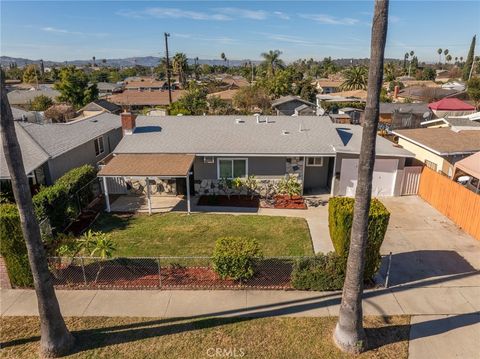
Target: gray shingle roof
point(222, 135)
point(418, 108)
point(102, 104)
point(351, 136)
point(461, 122)
point(285, 99)
point(58, 138)
point(33, 155)
point(23, 97)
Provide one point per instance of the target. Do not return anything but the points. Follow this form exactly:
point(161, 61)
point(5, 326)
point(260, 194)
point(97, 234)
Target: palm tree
point(439, 52)
point(405, 58)
point(272, 61)
point(448, 58)
point(180, 67)
point(349, 333)
point(445, 52)
point(461, 59)
point(55, 339)
point(356, 78)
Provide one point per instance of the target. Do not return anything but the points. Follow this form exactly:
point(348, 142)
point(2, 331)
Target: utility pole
point(168, 69)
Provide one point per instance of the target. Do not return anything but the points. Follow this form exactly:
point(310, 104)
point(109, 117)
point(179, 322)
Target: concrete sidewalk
point(188, 303)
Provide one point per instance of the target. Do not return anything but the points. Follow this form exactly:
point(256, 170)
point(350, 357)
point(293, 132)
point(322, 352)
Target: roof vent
point(257, 117)
point(266, 119)
point(239, 120)
point(285, 132)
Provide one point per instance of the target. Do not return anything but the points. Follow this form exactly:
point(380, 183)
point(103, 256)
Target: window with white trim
point(99, 147)
point(232, 168)
point(315, 161)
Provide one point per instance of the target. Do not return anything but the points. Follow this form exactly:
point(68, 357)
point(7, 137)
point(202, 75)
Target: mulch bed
point(146, 277)
point(287, 202)
point(233, 201)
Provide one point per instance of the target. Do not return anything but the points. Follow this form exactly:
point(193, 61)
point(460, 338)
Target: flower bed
point(232, 201)
point(289, 202)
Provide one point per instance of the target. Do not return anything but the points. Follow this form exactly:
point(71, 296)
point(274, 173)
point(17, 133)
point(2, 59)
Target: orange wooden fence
point(459, 204)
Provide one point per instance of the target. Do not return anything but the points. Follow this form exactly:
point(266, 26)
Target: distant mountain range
point(149, 61)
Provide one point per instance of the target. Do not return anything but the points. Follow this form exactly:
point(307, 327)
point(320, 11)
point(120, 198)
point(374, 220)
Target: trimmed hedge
point(234, 257)
point(56, 202)
point(13, 248)
point(322, 272)
point(340, 217)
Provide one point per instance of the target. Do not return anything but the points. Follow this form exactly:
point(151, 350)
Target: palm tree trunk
point(349, 333)
point(55, 340)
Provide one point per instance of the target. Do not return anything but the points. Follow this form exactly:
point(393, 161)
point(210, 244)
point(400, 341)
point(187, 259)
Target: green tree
point(180, 67)
point(217, 106)
point(272, 61)
point(280, 84)
point(31, 74)
point(473, 90)
point(428, 73)
point(356, 78)
point(41, 103)
point(469, 62)
point(349, 333)
point(251, 99)
point(193, 101)
point(74, 87)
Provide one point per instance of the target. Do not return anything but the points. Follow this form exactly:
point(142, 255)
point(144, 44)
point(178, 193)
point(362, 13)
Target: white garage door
point(383, 181)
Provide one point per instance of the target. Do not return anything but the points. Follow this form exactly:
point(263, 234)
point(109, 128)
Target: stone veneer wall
point(266, 187)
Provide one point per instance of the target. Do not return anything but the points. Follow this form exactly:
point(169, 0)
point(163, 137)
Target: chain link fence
point(163, 273)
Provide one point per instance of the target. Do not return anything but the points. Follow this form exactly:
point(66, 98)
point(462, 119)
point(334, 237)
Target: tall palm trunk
point(349, 333)
point(55, 340)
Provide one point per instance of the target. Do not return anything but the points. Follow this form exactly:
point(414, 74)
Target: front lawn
point(102, 337)
point(178, 234)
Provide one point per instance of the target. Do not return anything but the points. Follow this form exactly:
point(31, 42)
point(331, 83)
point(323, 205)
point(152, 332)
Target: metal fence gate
point(411, 180)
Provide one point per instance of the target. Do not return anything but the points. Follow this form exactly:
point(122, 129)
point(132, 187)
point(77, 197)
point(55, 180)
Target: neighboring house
point(226, 95)
point(138, 99)
point(326, 86)
point(25, 97)
point(148, 84)
point(467, 172)
point(193, 153)
point(286, 105)
point(424, 93)
point(233, 82)
point(107, 88)
point(98, 106)
point(333, 98)
point(49, 150)
point(403, 115)
point(440, 148)
point(451, 107)
point(454, 85)
point(27, 116)
point(456, 123)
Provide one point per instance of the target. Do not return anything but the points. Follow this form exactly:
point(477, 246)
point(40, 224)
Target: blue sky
point(68, 30)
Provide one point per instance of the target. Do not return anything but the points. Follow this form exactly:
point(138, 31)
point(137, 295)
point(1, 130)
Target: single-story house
point(139, 99)
point(226, 95)
point(403, 115)
point(147, 84)
point(326, 86)
point(192, 154)
point(456, 123)
point(451, 107)
point(51, 149)
point(440, 148)
point(25, 97)
point(286, 105)
point(337, 99)
point(99, 106)
point(424, 94)
point(108, 88)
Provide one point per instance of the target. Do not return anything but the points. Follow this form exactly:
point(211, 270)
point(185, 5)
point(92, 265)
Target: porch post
point(333, 175)
point(188, 191)
point(105, 191)
point(148, 196)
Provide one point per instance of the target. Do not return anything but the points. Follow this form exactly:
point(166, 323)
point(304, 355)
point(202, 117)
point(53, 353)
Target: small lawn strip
point(102, 337)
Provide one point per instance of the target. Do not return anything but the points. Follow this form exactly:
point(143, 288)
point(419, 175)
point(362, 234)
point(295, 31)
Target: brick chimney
point(128, 123)
point(395, 91)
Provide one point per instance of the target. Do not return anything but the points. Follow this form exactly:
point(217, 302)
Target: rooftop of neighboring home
point(145, 98)
point(226, 95)
point(356, 94)
point(109, 87)
point(457, 123)
point(417, 108)
point(328, 83)
point(234, 81)
point(289, 98)
point(247, 135)
point(102, 105)
point(451, 104)
point(443, 141)
point(144, 83)
point(422, 93)
point(24, 97)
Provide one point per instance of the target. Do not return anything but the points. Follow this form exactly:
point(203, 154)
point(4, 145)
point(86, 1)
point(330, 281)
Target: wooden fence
point(456, 202)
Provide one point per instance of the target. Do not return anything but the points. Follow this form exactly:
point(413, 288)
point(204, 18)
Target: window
point(232, 168)
point(314, 161)
point(99, 149)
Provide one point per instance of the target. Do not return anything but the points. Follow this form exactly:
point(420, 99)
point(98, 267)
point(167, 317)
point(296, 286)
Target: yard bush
point(234, 257)
point(13, 248)
point(340, 217)
point(57, 202)
point(322, 272)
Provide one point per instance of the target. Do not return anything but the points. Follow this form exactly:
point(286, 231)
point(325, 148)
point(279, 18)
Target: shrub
point(290, 186)
point(13, 248)
point(234, 257)
point(56, 202)
point(322, 272)
point(340, 217)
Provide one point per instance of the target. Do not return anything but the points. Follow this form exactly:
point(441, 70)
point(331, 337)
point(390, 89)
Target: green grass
point(102, 337)
point(177, 234)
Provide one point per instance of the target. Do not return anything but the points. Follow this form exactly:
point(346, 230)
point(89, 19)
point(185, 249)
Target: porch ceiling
point(162, 165)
